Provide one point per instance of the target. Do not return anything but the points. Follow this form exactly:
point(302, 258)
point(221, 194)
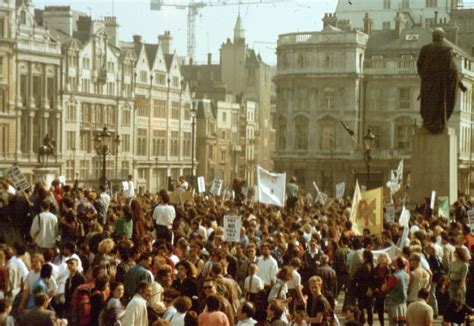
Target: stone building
point(366, 79)
point(163, 114)
point(31, 86)
point(421, 12)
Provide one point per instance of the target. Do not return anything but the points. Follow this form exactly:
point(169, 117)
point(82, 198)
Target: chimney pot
point(137, 39)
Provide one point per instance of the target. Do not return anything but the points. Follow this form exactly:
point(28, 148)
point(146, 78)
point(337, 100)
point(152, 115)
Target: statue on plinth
point(46, 149)
point(439, 83)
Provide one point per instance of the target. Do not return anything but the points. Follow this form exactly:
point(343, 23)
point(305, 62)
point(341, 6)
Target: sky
point(262, 22)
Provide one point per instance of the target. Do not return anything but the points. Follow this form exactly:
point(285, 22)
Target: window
point(2, 27)
point(1, 66)
point(143, 76)
point(175, 81)
point(301, 129)
point(86, 62)
point(404, 98)
point(159, 142)
point(431, 3)
point(187, 144)
point(386, 26)
point(282, 125)
point(111, 67)
point(72, 83)
point(125, 143)
point(4, 139)
point(223, 155)
point(111, 88)
point(86, 85)
point(328, 136)
point(72, 60)
point(70, 140)
point(187, 111)
point(159, 108)
point(376, 99)
point(174, 143)
point(141, 106)
point(37, 90)
point(3, 104)
point(23, 17)
point(329, 98)
point(84, 170)
point(160, 78)
point(175, 114)
point(386, 4)
point(70, 170)
point(403, 137)
point(405, 4)
point(51, 91)
point(125, 169)
point(86, 141)
point(211, 152)
point(224, 117)
point(378, 133)
point(23, 89)
point(329, 60)
point(126, 117)
point(141, 142)
point(127, 69)
point(71, 113)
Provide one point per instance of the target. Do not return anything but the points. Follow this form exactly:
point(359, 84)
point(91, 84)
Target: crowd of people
point(89, 257)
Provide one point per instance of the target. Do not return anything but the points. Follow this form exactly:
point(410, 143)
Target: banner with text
point(18, 178)
point(216, 187)
point(201, 185)
point(368, 212)
point(271, 187)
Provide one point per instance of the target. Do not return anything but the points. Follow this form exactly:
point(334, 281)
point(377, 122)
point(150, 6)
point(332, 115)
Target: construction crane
point(193, 8)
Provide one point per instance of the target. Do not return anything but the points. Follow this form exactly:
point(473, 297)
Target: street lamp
point(369, 144)
point(193, 126)
point(102, 149)
point(117, 142)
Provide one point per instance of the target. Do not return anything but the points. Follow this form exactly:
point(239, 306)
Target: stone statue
point(46, 149)
point(439, 83)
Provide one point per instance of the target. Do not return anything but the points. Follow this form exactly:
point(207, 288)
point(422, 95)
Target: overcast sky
point(262, 23)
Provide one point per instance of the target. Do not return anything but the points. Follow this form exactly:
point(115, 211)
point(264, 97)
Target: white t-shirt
point(295, 282)
point(267, 269)
point(164, 215)
point(257, 284)
point(130, 192)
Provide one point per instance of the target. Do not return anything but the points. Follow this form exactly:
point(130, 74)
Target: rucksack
point(81, 304)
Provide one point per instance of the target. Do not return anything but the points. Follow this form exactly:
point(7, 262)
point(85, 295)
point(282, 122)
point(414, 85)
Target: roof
point(150, 50)
point(169, 61)
point(204, 110)
point(62, 37)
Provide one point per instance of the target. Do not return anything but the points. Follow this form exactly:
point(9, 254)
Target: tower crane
point(193, 8)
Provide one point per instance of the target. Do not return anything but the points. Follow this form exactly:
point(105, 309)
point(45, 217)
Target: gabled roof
point(151, 50)
point(63, 38)
point(169, 61)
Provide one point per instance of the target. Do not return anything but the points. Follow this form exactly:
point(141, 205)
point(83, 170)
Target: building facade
point(372, 83)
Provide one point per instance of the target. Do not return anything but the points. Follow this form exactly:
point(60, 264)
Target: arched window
point(301, 133)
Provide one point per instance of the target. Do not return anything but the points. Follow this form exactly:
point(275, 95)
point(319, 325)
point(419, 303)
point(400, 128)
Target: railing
point(390, 66)
point(322, 37)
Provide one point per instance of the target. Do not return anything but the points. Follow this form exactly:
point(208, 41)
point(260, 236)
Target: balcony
point(390, 66)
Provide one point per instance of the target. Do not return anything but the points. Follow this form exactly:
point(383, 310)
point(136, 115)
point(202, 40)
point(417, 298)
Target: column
point(45, 127)
point(30, 132)
point(29, 93)
point(44, 89)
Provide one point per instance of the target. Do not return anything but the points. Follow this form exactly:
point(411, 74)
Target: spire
point(238, 30)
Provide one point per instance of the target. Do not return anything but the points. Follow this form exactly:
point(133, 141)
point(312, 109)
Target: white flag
point(321, 197)
point(355, 202)
point(340, 190)
point(404, 217)
point(400, 173)
point(271, 187)
point(433, 198)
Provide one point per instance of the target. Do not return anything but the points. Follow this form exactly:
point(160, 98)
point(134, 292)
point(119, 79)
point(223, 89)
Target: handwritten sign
point(232, 226)
point(216, 187)
point(201, 185)
point(18, 178)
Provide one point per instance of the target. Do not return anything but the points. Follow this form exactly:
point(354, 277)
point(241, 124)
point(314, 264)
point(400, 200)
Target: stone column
point(29, 94)
point(30, 133)
point(44, 89)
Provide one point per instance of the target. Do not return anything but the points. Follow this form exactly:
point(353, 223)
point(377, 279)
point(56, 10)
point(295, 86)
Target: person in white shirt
point(105, 199)
point(16, 270)
point(253, 283)
point(183, 185)
point(37, 262)
point(164, 215)
point(267, 266)
point(44, 228)
point(129, 193)
point(136, 312)
point(245, 314)
point(63, 270)
point(182, 305)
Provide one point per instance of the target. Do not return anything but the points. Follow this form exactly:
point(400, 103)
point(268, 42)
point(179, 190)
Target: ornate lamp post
point(102, 148)
point(369, 144)
point(193, 136)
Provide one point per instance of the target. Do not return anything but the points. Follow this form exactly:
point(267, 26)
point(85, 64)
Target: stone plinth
point(45, 174)
point(434, 165)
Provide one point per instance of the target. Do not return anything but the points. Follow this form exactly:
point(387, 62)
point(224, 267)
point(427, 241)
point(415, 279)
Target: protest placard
point(389, 214)
point(271, 187)
point(201, 185)
point(433, 198)
point(216, 187)
point(232, 226)
point(340, 190)
point(18, 178)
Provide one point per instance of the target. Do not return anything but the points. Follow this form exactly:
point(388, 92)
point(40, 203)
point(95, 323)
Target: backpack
point(81, 304)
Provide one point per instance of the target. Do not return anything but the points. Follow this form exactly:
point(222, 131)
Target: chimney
point(368, 23)
point(166, 42)
point(137, 39)
point(209, 59)
point(435, 17)
point(344, 24)
point(190, 61)
point(329, 19)
point(451, 33)
point(111, 29)
point(400, 22)
point(60, 18)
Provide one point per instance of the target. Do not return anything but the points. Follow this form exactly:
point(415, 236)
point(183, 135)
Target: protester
point(136, 312)
point(419, 312)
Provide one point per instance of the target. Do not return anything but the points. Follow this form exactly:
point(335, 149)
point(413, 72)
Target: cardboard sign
point(232, 226)
point(216, 187)
point(271, 187)
point(340, 190)
point(125, 185)
point(201, 185)
point(433, 198)
point(389, 214)
point(17, 178)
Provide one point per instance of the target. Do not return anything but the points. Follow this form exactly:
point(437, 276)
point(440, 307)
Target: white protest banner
point(400, 173)
point(470, 216)
point(201, 185)
point(340, 190)
point(355, 202)
point(271, 187)
point(216, 187)
point(389, 214)
point(392, 252)
point(321, 197)
point(17, 178)
point(232, 226)
point(404, 217)
point(125, 185)
point(433, 198)
point(62, 179)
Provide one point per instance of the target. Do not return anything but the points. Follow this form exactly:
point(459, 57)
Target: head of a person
point(213, 303)
point(164, 276)
point(275, 310)
point(265, 249)
point(117, 289)
point(438, 35)
point(45, 205)
point(69, 248)
point(186, 269)
point(106, 246)
point(424, 294)
point(460, 253)
point(351, 313)
point(415, 259)
point(209, 286)
point(251, 251)
point(246, 310)
point(368, 257)
point(293, 179)
point(324, 259)
point(41, 300)
point(145, 260)
point(383, 259)
point(315, 285)
point(400, 263)
point(5, 306)
point(165, 198)
point(144, 289)
point(285, 273)
point(183, 304)
point(46, 271)
point(37, 262)
point(102, 282)
point(130, 177)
